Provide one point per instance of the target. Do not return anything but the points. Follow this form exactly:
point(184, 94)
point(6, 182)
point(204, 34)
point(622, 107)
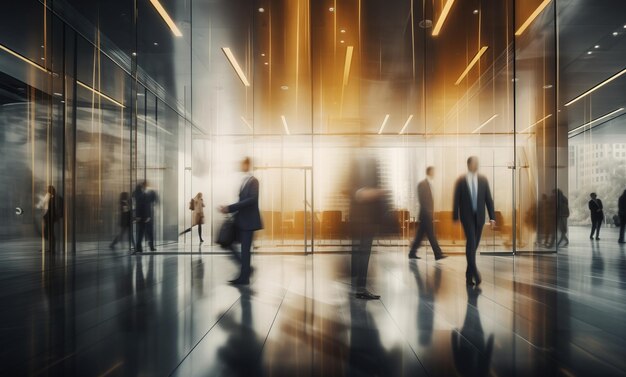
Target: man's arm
point(252, 200)
point(456, 200)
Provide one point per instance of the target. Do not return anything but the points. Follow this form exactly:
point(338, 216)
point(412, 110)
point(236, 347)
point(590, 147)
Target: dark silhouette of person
point(542, 221)
point(563, 213)
point(52, 207)
point(427, 289)
point(471, 196)
point(367, 207)
point(196, 205)
point(144, 214)
point(472, 354)
point(597, 215)
point(426, 213)
point(125, 221)
point(621, 211)
point(247, 220)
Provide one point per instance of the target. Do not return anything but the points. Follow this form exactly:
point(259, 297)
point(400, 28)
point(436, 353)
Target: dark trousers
point(595, 227)
point(473, 231)
point(426, 228)
point(622, 227)
point(245, 238)
point(48, 232)
point(189, 230)
point(361, 251)
point(123, 231)
point(146, 228)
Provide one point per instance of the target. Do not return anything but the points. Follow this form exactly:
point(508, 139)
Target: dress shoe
point(441, 257)
point(597, 238)
point(239, 281)
point(621, 241)
point(591, 237)
point(413, 256)
point(367, 295)
point(201, 240)
point(152, 249)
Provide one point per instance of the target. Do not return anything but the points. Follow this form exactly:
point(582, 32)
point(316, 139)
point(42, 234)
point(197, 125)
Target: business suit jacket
point(595, 206)
point(463, 201)
point(621, 206)
point(247, 215)
point(425, 197)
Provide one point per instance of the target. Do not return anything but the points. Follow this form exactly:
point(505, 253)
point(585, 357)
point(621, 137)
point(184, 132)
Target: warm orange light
point(22, 58)
point(166, 17)
point(236, 66)
point(285, 126)
point(99, 93)
point(494, 116)
point(406, 124)
point(442, 17)
point(382, 126)
point(471, 64)
point(346, 68)
point(603, 83)
point(532, 17)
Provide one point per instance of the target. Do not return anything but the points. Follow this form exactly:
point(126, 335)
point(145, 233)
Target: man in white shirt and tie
point(471, 196)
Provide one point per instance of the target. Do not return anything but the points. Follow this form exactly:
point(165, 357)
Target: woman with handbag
point(196, 205)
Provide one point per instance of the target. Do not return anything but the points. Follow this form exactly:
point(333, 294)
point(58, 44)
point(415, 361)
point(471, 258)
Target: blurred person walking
point(621, 211)
point(52, 207)
point(471, 196)
point(597, 215)
point(426, 213)
point(247, 220)
point(196, 205)
point(125, 221)
point(145, 199)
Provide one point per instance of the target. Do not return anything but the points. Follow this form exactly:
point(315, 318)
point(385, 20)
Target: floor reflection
point(427, 290)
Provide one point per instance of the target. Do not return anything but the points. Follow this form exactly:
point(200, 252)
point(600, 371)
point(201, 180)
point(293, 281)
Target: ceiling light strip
point(532, 17)
point(382, 126)
point(494, 116)
point(235, 65)
point(471, 64)
point(406, 124)
point(346, 68)
point(536, 123)
point(166, 17)
point(595, 120)
point(442, 18)
point(243, 119)
point(285, 126)
point(603, 83)
point(22, 58)
point(100, 93)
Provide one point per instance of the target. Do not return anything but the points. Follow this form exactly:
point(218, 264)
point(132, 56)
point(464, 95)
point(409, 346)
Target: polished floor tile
point(171, 313)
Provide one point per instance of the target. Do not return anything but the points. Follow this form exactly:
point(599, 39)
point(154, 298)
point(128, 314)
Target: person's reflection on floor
point(367, 356)
point(427, 288)
point(241, 353)
point(622, 266)
point(472, 354)
point(597, 265)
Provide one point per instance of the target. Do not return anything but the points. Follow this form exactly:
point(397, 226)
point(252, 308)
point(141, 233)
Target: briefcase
point(226, 235)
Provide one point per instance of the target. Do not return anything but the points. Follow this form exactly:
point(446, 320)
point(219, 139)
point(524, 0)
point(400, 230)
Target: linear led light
point(595, 120)
point(382, 126)
point(243, 119)
point(442, 17)
point(285, 126)
point(99, 93)
point(532, 17)
point(346, 68)
point(536, 123)
point(494, 116)
point(406, 124)
point(603, 83)
point(153, 123)
point(236, 67)
point(22, 58)
point(471, 64)
point(166, 17)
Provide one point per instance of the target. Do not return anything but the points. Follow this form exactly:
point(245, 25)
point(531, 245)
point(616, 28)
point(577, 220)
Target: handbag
point(226, 235)
point(192, 205)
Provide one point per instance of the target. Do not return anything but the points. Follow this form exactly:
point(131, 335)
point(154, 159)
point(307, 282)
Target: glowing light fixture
point(166, 17)
point(593, 89)
point(285, 126)
point(22, 58)
point(494, 116)
point(406, 124)
point(100, 93)
point(243, 119)
point(536, 123)
point(346, 68)
point(595, 120)
point(532, 17)
point(382, 126)
point(235, 64)
point(442, 17)
point(471, 64)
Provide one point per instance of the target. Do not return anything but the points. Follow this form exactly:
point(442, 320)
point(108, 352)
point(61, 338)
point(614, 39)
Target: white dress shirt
point(472, 184)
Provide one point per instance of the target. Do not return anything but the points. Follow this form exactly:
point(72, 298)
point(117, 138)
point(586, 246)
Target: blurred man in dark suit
point(597, 215)
point(471, 196)
point(247, 220)
point(427, 206)
point(621, 210)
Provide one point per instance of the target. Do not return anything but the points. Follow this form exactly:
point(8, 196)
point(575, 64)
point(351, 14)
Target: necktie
point(474, 196)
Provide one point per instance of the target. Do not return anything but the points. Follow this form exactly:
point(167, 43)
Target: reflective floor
point(173, 314)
